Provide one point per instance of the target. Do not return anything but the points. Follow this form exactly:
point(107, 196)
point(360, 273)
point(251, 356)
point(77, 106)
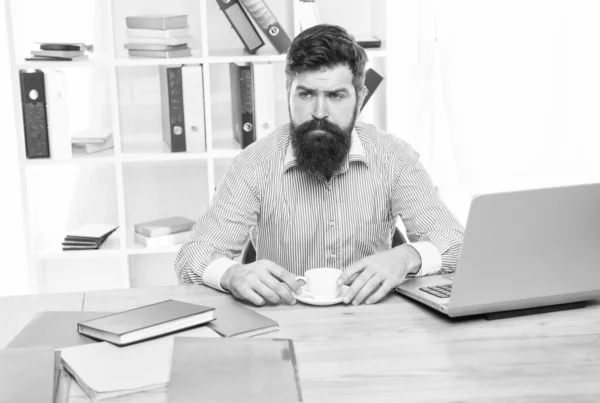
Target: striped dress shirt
point(302, 221)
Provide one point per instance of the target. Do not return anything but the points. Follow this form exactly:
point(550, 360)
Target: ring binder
point(241, 24)
point(35, 119)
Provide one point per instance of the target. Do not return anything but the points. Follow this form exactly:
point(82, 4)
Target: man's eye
point(305, 95)
point(336, 96)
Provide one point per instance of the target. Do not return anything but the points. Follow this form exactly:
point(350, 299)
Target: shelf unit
point(137, 181)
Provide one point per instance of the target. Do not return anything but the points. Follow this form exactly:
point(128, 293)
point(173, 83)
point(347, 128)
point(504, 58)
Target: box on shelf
point(164, 226)
point(163, 232)
point(92, 141)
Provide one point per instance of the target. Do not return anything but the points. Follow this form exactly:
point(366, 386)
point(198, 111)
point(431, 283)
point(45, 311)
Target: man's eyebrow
point(303, 88)
point(334, 91)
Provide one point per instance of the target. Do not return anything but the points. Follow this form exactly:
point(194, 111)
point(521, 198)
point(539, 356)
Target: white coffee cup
point(321, 282)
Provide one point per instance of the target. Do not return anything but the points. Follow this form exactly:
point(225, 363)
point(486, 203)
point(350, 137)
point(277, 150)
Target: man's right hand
point(261, 282)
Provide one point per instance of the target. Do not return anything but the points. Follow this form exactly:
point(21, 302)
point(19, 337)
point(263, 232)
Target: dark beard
point(321, 153)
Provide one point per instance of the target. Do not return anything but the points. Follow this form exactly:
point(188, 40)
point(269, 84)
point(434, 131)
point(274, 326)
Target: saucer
point(310, 300)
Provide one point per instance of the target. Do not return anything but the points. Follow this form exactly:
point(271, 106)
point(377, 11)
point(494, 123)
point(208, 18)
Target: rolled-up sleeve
point(426, 218)
point(223, 230)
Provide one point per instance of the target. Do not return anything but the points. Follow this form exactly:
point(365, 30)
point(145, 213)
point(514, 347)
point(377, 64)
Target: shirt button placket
point(331, 208)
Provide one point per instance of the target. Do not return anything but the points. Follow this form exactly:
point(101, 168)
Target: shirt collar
point(357, 153)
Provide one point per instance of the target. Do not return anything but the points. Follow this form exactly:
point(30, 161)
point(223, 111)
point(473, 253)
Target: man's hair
point(325, 46)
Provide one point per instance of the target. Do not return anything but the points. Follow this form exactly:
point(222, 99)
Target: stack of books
point(88, 237)
point(92, 141)
point(163, 232)
point(159, 36)
point(60, 51)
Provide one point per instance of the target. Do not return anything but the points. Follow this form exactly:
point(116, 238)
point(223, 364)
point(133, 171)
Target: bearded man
point(322, 191)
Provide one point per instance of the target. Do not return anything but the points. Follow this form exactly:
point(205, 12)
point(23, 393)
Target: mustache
point(320, 124)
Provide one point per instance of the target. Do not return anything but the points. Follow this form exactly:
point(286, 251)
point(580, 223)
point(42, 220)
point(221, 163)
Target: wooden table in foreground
point(394, 351)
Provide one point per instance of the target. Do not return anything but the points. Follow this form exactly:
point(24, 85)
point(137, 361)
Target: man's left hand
point(372, 278)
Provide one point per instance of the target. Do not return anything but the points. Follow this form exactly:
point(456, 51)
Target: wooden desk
point(395, 351)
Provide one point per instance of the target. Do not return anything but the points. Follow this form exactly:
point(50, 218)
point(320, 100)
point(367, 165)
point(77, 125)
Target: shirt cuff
point(431, 259)
point(214, 272)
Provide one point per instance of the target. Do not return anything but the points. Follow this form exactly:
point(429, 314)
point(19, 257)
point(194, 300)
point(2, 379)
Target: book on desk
point(231, 370)
point(146, 322)
point(235, 320)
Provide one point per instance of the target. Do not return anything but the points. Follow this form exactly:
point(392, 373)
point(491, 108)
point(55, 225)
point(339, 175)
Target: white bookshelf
point(137, 180)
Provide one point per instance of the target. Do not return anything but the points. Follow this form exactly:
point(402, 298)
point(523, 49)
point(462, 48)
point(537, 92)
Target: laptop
point(521, 249)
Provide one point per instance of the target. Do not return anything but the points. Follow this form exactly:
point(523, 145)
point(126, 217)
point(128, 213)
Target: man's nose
point(320, 109)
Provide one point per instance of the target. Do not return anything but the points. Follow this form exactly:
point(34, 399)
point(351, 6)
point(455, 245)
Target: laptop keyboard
point(440, 291)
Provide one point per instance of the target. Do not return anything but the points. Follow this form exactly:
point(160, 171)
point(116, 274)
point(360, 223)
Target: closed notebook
point(86, 148)
point(235, 320)
point(91, 231)
point(56, 58)
point(156, 21)
point(58, 53)
point(91, 137)
point(103, 370)
point(154, 46)
point(88, 237)
point(162, 54)
point(146, 322)
point(176, 41)
point(65, 46)
point(233, 371)
point(164, 226)
point(27, 375)
point(133, 33)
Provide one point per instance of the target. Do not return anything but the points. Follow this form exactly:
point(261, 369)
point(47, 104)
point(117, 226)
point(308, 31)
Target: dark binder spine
point(176, 119)
point(247, 97)
point(242, 104)
point(236, 102)
point(35, 119)
point(268, 23)
point(241, 24)
point(372, 81)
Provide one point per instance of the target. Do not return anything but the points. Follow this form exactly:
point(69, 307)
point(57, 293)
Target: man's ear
point(362, 94)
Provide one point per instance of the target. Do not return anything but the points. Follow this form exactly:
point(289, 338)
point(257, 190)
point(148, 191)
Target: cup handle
point(303, 279)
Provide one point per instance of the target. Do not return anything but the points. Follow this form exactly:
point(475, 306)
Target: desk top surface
point(396, 350)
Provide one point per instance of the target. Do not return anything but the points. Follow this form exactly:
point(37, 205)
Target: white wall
point(13, 266)
point(499, 94)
